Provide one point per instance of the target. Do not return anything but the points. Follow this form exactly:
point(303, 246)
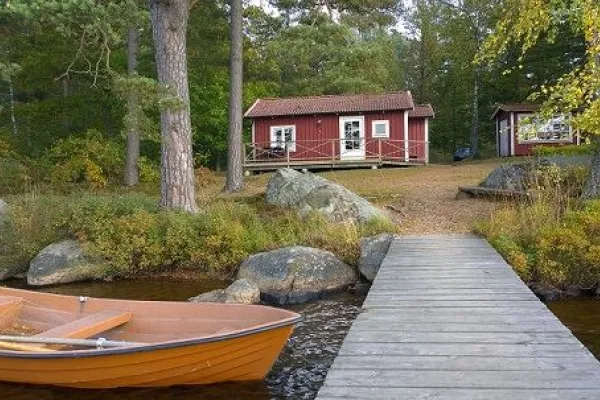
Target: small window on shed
point(381, 128)
point(282, 136)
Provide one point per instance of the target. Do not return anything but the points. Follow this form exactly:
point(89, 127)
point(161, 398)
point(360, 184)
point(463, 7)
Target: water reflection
point(582, 317)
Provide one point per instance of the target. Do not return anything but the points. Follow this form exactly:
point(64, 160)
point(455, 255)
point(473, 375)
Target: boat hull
point(242, 358)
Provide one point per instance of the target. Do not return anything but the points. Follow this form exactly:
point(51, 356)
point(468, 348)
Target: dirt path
point(425, 197)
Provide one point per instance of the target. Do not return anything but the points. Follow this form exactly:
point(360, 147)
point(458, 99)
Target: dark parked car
point(462, 154)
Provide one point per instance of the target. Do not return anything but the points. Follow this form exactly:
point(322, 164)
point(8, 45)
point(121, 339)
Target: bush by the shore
point(554, 239)
point(564, 150)
point(133, 236)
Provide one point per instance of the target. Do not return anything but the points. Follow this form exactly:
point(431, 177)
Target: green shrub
point(564, 150)
point(33, 223)
point(134, 236)
point(14, 176)
point(149, 171)
point(569, 253)
point(559, 186)
point(547, 245)
point(89, 159)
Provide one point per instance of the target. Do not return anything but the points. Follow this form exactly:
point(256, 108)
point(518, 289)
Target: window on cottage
point(532, 128)
point(282, 136)
point(381, 128)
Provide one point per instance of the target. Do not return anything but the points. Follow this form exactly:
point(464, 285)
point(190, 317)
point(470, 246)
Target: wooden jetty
point(448, 319)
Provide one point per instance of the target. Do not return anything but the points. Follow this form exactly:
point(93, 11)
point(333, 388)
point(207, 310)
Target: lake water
point(303, 364)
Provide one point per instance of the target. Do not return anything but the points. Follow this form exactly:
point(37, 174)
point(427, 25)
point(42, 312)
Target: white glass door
point(352, 135)
point(504, 145)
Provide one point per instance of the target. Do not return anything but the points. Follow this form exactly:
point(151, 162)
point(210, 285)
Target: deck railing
point(325, 151)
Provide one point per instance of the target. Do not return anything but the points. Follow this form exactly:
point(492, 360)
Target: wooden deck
point(447, 318)
point(266, 165)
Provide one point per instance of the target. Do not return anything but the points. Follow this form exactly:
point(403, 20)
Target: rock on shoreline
point(242, 291)
point(63, 262)
point(296, 274)
point(372, 252)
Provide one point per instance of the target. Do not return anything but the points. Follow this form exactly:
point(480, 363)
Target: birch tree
point(527, 22)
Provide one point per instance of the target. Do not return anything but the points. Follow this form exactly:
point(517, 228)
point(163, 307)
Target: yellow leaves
point(524, 22)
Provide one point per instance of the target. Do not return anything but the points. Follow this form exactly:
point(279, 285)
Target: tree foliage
point(527, 22)
point(292, 47)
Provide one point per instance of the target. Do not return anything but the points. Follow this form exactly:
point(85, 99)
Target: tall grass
point(553, 238)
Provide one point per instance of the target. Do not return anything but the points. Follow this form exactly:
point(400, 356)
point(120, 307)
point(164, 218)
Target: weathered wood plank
point(390, 303)
point(517, 309)
point(447, 318)
point(453, 363)
point(524, 327)
point(472, 379)
point(462, 295)
point(461, 337)
point(461, 349)
point(440, 292)
point(345, 392)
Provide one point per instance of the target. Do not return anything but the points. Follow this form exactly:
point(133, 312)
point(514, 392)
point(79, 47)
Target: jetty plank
point(446, 318)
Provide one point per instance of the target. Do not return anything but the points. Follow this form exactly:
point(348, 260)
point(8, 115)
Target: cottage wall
point(314, 134)
point(516, 147)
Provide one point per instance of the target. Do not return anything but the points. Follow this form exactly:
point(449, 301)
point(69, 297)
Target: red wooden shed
point(338, 131)
point(519, 130)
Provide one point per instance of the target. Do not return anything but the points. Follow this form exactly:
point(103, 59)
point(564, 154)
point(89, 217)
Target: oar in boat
point(10, 342)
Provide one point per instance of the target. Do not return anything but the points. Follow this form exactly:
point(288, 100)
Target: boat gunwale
point(293, 319)
point(152, 346)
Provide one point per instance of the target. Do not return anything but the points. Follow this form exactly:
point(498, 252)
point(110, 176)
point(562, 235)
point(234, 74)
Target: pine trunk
point(235, 162)
point(169, 25)
point(132, 174)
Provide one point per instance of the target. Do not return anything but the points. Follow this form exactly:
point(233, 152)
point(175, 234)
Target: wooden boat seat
point(88, 326)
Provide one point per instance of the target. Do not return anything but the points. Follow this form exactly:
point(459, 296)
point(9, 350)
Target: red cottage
point(518, 130)
point(338, 131)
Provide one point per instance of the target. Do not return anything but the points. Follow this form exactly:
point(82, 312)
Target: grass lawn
point(421, 199)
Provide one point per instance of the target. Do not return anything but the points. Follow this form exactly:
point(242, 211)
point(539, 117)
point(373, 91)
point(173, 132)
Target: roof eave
point(321, 113)
point(247, 113)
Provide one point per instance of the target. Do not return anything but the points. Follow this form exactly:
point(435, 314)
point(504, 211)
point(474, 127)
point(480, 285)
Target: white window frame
point(537, 124)
point(291, 145)
point(386, 122)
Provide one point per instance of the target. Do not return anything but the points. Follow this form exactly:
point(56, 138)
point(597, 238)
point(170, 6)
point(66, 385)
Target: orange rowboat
point(104, 343)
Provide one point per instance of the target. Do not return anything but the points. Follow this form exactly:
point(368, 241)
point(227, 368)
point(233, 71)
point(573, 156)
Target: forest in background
point(52, 107)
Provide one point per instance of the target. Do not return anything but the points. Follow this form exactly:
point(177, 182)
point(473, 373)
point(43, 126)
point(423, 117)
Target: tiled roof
point(516, 108)
point(421, 111)
point(311, 105)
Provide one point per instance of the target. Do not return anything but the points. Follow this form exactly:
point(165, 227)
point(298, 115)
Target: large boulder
point(372, 252)
point(287, 187)
point(310, 193)
point(296, 274)
point(514, 177)
point(241, 291)
point(63, 262)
